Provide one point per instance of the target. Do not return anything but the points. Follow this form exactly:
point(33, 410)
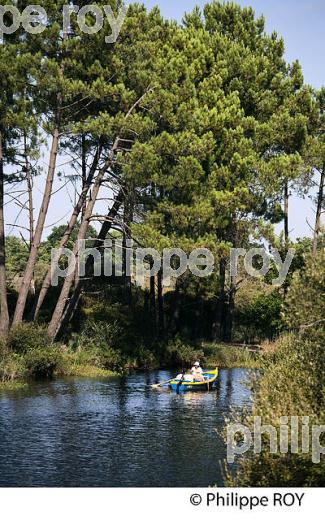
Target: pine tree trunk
point(29, 181)
point(68, 231)
point(161, 310)
point(30, 267)
point(229, 317)
point(320, 202)
point(176, 308)
point(77, 292)
point(152, 303)
point(65, 291)
point(286, 216)
point(128, 218)
point(84, 169)
point(222, 303)
point(4, 315)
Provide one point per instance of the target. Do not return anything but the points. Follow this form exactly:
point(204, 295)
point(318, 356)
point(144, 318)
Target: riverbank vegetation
point(28, 355)
point(292, 384)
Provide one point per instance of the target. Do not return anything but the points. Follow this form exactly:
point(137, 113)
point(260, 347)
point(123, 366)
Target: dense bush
point(227, 356)
point(95, 343)
point(42, 363)
point(11, 368)
point(142, 358)
point(180, 354)
point(292, 384)
point(305, 302)
point(3, 348)
point(261, 318)
point(27, 336)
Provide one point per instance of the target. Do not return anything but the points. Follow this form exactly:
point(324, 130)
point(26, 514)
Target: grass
point(87, 371)
point(12, 385)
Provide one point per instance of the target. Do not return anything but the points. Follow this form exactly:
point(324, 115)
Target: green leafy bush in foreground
point(292, 385)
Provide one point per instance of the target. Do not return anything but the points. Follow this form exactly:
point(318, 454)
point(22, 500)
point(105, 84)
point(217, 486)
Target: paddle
point(161, 384)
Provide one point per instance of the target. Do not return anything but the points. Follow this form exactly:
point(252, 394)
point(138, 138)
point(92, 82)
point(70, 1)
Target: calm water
point(86, 432)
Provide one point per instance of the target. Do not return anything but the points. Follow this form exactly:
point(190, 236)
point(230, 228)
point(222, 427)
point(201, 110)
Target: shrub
point(305, 302)
point(11, 368)
point(142, 358)
point(261, 318)
point(227, 356)
point(94, 334)
point(179, 354)
point(94, 345)
point(3, 348)
point(292, 385)
point(28, 336)
point(41, 363)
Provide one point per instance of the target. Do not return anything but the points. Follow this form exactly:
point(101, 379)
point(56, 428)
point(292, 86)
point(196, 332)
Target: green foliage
point(305, 302)
point(11, 368)
point(179, 354)
point(28, 336)
point(16, 258)
point(261, 318)
point(3, 347)
point(142, 358)
point(292, 384)
point(222, 126)
point(94, 345)
point(230, 356)
point(41, 363)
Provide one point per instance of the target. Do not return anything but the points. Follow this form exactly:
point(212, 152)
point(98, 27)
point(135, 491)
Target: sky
point(300, 22)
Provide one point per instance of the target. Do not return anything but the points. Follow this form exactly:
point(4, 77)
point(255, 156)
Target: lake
point(117, 432)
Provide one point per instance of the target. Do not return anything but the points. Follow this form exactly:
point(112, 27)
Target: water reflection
point(80, 432)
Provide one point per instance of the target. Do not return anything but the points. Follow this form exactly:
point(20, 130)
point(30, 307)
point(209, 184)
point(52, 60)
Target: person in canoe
point(185, 376)
point(197, 372)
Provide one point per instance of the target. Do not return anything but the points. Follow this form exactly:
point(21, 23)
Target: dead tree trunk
point(4, 314)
